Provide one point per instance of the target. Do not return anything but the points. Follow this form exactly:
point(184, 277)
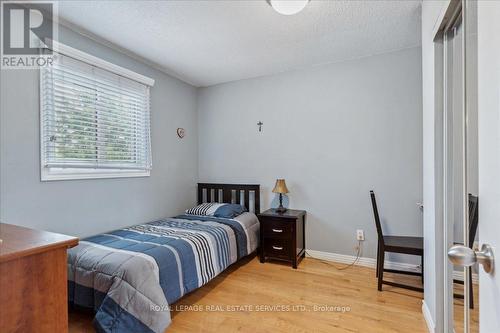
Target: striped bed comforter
point(130, 276)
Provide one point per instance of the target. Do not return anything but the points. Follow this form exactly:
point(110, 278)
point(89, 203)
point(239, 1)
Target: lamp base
point(280, 209)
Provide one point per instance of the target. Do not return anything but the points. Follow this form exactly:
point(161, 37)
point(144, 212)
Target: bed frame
point(244, 194)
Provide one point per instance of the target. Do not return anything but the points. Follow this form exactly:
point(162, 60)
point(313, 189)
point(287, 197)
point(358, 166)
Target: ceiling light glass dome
point(288, 7)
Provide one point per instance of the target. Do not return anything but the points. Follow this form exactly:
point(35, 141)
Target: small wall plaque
point(181, 132)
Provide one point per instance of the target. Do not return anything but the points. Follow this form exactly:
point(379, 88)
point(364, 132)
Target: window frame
point(52, 173)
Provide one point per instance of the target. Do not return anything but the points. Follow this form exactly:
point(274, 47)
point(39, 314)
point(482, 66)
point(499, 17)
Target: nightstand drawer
point(277, 227)
point(282, 235)
point(277, 248)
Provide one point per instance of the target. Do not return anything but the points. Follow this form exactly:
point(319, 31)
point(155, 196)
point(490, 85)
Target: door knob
point(463, 256)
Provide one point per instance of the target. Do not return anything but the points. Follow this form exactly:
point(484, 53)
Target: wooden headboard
point(244, 194)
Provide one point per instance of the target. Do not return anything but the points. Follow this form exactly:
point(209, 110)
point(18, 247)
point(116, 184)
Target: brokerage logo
point(27, 29)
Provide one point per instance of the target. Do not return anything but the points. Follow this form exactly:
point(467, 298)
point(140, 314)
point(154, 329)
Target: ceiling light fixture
point(288, 7)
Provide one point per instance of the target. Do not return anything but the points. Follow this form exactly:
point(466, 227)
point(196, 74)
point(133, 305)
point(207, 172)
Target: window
point(95, 120)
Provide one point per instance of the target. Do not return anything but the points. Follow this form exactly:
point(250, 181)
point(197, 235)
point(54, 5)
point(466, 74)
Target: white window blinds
point(93, 118)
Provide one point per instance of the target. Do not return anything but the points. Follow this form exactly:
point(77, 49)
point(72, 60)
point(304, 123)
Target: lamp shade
point(280, 186)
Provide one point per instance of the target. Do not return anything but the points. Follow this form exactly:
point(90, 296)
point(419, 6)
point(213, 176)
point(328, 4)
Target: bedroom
point(135, 112)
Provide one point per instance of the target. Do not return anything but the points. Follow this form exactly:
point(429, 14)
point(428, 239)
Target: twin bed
point(129, 277)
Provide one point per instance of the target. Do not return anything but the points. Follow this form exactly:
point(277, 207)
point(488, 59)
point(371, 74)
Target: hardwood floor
point(315, 283)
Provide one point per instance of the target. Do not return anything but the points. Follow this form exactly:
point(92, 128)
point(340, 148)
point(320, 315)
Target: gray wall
point(86, 207)
point(333, 132)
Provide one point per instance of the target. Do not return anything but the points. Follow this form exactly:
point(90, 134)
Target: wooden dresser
point(33, 280)
point(282, 236)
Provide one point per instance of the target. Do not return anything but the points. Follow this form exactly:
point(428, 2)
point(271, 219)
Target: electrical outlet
point(360, 235)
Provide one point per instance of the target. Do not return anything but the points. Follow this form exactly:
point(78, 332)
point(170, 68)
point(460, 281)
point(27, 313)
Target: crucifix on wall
point(260, 123)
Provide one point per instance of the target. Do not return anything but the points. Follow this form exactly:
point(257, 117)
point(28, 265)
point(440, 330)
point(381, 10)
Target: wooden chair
point(473, 222)
point(395, 244)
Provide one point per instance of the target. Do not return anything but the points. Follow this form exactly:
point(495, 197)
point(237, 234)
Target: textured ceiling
point(210, 42)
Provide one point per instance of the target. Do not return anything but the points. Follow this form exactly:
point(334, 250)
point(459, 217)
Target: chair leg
point(378, 258)
point(381, 268)
point(471, 290)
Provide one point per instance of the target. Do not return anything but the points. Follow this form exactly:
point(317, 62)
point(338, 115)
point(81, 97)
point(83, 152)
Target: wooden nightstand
point(282, 235)
point(33, 280)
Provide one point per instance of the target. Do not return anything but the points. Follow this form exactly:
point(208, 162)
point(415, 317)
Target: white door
point(488, 16)
point(471, 74)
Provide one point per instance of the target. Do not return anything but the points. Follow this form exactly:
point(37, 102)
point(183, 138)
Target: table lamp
point(280, 188)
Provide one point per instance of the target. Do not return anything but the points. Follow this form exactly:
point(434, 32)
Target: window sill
point(49, 174)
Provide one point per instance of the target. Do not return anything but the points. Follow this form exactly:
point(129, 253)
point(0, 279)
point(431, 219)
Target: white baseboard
point(363, 261)
point(428, 318)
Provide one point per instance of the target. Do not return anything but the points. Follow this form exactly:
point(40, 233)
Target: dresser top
point(17, 241)
point(289, 213)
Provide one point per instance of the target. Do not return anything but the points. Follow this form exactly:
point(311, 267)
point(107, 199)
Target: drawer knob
point(277, 247)
point(277, 230)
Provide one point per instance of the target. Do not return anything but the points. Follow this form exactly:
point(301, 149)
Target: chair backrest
point(473, 218)
point(377, 218)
